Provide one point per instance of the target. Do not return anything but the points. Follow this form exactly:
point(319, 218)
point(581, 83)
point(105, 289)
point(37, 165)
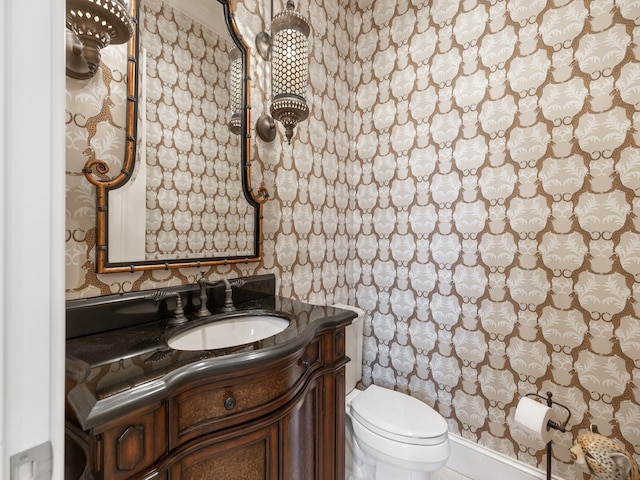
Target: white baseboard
point(480, 463)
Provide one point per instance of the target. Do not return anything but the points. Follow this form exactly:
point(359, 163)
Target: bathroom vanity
point(271, 409)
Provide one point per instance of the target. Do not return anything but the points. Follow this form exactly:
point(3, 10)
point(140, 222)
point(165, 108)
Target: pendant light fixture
point(289, 68)
point(93, 25)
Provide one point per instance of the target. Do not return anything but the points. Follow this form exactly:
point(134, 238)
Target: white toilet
point(389, 435)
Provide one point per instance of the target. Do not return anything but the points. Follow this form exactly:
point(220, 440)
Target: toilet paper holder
point(552, 424)
point(550, 403)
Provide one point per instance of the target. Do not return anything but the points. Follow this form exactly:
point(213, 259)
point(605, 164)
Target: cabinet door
point(252, 456)
point(301, 434)
point(130, 446)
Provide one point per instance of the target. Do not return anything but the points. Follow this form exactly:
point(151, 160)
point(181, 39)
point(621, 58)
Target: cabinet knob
point(230, 403)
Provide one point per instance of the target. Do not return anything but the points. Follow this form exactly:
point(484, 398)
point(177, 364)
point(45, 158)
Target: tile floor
point(448, 474)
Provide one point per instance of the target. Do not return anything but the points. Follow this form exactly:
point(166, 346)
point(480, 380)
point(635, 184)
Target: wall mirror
point(183, 197)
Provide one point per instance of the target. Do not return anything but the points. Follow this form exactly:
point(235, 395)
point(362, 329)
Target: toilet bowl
point(389, 435)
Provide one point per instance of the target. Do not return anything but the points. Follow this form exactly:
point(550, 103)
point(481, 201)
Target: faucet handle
point(203, 311)
point(178, 313)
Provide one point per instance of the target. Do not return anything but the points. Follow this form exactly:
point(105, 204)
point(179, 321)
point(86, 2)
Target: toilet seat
point(399, 417)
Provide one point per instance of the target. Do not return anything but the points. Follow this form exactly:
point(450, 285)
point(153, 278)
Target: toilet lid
point(399, 417)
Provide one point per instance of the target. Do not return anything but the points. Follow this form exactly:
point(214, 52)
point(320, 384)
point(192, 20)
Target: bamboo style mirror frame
point(97, 173)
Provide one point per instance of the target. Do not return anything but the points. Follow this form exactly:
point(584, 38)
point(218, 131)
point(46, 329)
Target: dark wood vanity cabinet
point(281, 418)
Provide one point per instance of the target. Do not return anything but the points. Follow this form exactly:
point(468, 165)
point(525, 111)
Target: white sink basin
point(229, 332)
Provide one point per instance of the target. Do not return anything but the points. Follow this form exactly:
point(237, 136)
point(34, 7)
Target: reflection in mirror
point(184, 196)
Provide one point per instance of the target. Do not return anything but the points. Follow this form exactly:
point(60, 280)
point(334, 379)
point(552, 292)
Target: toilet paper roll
point(533, 417)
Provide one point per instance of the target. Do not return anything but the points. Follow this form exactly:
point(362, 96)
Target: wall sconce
point(289, 51)
point(235, 84)
point(92, 25)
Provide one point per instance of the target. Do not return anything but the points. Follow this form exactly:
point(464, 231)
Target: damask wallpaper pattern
point(469, 175)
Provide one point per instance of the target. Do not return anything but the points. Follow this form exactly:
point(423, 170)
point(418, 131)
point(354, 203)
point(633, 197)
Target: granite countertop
point(116, 371)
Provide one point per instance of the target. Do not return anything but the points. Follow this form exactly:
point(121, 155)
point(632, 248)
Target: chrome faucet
point(203, 311)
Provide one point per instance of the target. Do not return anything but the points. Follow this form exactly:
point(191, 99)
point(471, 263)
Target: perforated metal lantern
point(235, 83)
point(96, 24)
point(289, 68)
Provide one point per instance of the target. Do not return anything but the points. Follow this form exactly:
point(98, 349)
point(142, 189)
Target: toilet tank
point(354, 338)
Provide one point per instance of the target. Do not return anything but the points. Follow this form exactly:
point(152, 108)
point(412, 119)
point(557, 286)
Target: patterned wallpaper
point(95, 129)
point(469, 175)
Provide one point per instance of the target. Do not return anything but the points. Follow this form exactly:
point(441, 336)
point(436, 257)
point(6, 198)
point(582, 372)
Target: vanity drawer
point(213, 407)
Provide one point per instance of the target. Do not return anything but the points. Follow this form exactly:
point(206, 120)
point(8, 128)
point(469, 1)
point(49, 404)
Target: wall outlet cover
point(36, 463)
